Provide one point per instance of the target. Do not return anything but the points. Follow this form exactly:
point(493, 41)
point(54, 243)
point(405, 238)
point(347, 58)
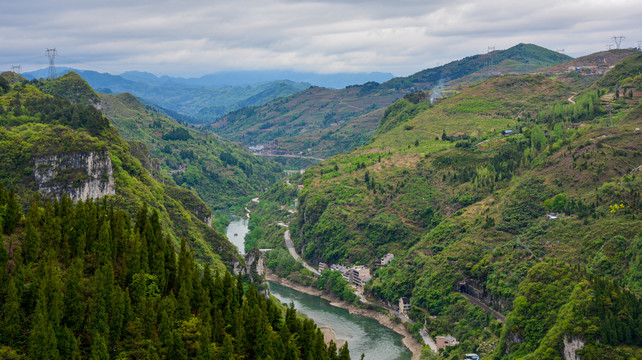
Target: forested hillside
point(223, 174)
point(82, 281)
point(54, 146)
point(517, 192)
point(325, 122)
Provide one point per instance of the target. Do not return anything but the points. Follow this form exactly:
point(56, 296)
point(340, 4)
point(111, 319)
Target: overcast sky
point(193, 38)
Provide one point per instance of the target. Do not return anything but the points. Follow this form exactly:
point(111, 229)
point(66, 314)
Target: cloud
point(196, 37)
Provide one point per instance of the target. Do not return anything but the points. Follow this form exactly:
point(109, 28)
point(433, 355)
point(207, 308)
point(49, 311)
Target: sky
point(191, 38)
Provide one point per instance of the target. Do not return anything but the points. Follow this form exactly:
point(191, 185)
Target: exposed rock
point(81, 175)
point(254, 269)
point(571, 346)
point(477, 290)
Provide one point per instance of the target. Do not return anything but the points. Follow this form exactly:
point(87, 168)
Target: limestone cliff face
point(571, 346)
point(254, 268)
point(81, 175)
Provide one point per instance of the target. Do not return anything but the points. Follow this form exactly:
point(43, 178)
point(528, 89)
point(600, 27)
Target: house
point(404, 304)
point(472, 357)
point(443, 341)
point(357, 275)
point(386, 259)
point(322, 267)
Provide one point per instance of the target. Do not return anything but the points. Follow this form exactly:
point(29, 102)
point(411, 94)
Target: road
point(495, 314)
point(428, 340)
point(290, 246)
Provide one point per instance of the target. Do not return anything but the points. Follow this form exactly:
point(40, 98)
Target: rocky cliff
point(81, 175)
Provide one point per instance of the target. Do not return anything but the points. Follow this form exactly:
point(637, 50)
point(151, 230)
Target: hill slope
point(54, 146)
point(505, 193)
point(221, 173)
point(315, 122)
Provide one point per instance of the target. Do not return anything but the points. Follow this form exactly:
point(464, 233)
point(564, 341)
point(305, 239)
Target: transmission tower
point(618, 40)
point(51, 53)
point(491, 48)
point(561, 51)
point(609, 46)
point(16, 70)
point(639, 45)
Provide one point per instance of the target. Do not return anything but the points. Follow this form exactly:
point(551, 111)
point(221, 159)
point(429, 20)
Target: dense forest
point(84, 281)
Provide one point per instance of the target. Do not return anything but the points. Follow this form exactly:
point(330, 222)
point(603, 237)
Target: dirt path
point(408, 340)
point(571, 99)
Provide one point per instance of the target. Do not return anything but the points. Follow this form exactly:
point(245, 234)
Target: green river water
point(364, 335)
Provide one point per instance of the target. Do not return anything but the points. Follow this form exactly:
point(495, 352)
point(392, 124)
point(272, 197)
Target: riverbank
point(408, 340)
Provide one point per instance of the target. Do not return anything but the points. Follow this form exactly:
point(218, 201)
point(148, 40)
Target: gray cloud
point(197, 37)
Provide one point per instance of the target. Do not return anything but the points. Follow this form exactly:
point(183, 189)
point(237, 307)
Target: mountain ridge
point(310, 118)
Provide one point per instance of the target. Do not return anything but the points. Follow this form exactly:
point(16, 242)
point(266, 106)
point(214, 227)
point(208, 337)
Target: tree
point(10, 320)
point(31, 243)
point(42, 342)
point(12, 215)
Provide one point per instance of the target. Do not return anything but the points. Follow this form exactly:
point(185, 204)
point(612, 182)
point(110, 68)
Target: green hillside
point(505, 191)
point(221, 173)
point(42, 133)
point(324, 122)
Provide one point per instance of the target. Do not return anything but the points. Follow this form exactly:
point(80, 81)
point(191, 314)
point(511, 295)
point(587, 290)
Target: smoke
point(436, 92)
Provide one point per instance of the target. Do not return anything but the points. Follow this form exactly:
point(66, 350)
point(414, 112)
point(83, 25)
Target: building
point(357, 275)
point(386, 259)
point(443, 341)
point(323, 266)
point(404, 304)
point(472, 357)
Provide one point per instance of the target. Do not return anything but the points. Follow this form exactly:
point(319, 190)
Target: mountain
point(99, 259)
point(322, 122)
point(223, 174)
point(244, 78)
point(55, 146)
point(207, 98)
point(505, 194)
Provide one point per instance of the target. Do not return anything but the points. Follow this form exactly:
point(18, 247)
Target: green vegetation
point(531, 224)
point(37, 125)
point(326, 122)
point(81, 281)
point(222, 174)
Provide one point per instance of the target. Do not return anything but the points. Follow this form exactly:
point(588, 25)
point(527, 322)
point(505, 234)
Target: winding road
point(290, 246)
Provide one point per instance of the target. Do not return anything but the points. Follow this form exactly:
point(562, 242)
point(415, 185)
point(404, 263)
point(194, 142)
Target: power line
point(618, 40)
point(51, 53)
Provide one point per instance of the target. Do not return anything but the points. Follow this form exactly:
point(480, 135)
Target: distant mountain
point(205, 99)
point(323, 122)
point(243, 78)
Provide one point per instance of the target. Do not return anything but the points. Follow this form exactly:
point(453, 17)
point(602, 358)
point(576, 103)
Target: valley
point(493, 201)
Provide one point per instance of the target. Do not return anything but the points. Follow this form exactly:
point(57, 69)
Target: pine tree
point(31, 243)
point(344, 353)
point(42, 341)
point(13, 213)
point(73, 299)
point(10, 320)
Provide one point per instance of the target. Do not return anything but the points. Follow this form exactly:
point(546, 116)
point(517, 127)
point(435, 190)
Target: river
point(364, 335)
point(236, 231)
